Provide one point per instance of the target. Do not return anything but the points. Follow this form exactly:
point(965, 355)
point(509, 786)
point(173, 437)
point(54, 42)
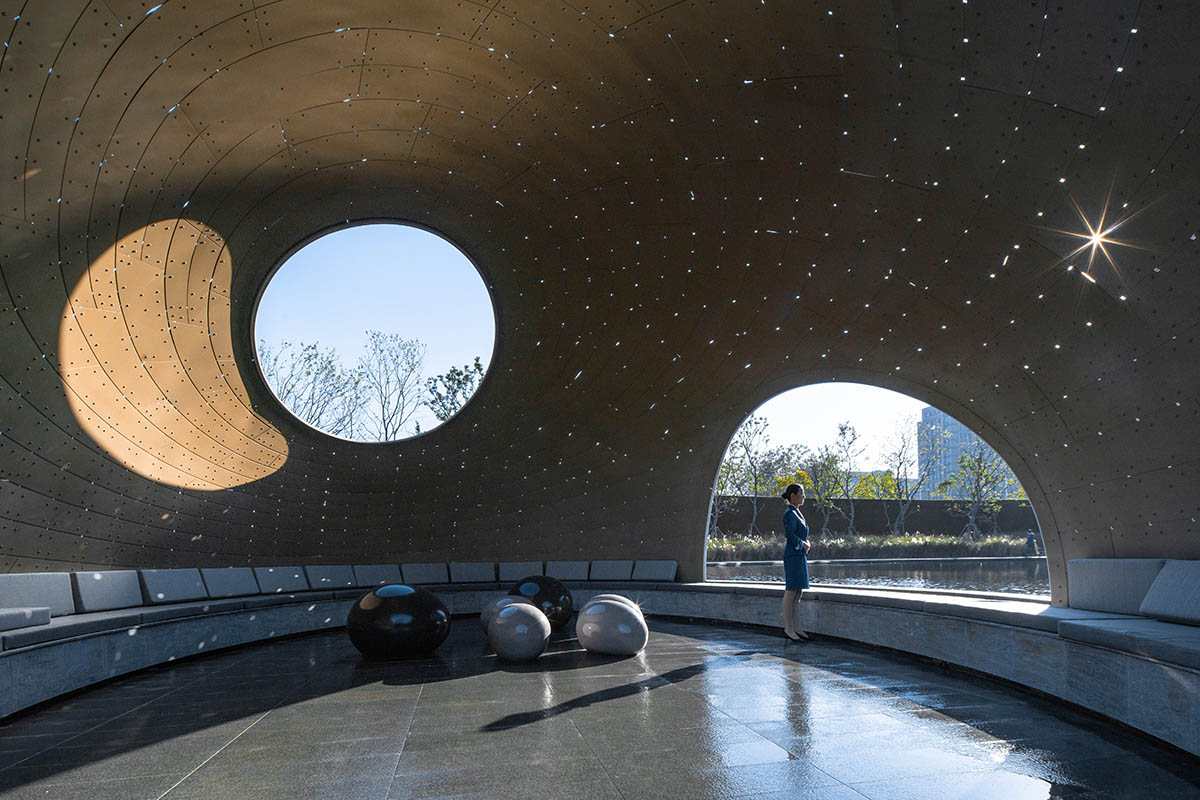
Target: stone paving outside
point(706, 711)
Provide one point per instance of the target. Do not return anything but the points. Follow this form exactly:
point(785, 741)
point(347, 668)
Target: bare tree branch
point(313, 385)
point(393, 388)
point(902, 455)
point(848, 452)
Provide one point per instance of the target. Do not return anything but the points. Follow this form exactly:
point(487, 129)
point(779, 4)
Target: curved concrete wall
point(680, 210)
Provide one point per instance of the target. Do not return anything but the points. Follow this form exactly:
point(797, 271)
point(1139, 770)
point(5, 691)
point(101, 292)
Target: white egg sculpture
point(620, 598)
point(490, 610)
point(611, 627)
point(519, 632)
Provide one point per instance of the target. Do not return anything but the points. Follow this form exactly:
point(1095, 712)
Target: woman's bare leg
point(789, 606)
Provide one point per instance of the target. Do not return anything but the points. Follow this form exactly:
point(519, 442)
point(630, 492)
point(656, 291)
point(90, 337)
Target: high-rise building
point(958, 438)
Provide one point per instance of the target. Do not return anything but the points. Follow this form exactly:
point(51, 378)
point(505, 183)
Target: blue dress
point(795, 562)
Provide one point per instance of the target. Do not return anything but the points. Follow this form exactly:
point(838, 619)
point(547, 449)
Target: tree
point(981, 481)
point(823, 473)
point(847, 450)
point(450, 392)
point(902, 456)
point(312, 383)
point(798, 477)
point(877, 485)
point(377, 399)
point(393, 389)
point(747, 460)
point(782, 463)
point(723, 499)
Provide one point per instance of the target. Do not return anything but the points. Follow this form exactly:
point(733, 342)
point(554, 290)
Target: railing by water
point(1019, 574)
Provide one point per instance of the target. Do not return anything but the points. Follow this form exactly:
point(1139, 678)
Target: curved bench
point(63, 631)
point(1022, 641)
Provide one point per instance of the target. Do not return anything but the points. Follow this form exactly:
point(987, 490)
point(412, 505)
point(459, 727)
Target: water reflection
point(1019, 575)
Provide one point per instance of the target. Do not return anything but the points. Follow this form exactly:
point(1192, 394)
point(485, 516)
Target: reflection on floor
point(705, 711)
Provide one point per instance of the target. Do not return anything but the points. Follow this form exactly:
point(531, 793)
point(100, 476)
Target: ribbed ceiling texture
point(680, 208)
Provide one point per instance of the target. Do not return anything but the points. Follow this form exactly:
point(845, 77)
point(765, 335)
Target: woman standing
point(795, 560)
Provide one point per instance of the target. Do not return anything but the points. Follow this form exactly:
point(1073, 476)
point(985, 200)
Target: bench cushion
point(1018, 613)
point(176, 610)
point(425, 573)
point(262, 601)
point(472, 572)
point(11, 618)
point(172, 585)
point(104, 591)
point(276, 580)
point(1175, 594)
point(1165, 641)
point(376, 574)
point(71, 625)
point(50, 590)
point(229, 581)
point(567, 570)
point(610, 571)
point(1110, 584)
point(655, 570)
point(331, 577)
point(515, 570)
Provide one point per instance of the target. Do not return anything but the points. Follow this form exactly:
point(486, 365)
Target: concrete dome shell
point(680, 210)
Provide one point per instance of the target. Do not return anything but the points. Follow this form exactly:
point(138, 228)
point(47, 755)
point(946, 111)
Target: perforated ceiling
point(681, 208)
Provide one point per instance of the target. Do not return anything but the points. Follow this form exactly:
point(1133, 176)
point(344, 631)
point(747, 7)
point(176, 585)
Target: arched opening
point(374, 332)
point(899, 493)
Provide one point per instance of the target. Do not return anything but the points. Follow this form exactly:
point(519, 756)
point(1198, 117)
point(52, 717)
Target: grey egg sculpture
point(611, 627)
point(397, 621)
point(550, 595)
point(618, 598)
point(519, 632)
point(490, 610)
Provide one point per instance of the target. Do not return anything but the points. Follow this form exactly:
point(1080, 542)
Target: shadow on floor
point(162, 723)
point(669, 678)
point(220, 692)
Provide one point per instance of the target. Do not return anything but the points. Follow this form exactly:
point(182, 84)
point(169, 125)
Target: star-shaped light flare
point(1097, 236)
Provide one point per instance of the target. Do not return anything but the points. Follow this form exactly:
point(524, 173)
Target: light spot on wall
point(147, 363)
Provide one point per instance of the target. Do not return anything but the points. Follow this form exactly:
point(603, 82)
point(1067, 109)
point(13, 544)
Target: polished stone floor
point(705, 711)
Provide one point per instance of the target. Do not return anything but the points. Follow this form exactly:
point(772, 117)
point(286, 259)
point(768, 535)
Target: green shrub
point(909, 545)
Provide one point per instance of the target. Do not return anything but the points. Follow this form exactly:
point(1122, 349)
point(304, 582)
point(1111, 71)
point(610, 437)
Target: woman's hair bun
point(791, 490)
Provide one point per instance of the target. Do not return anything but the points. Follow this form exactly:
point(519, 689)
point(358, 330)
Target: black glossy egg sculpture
point(550, 595)
point(397, 621)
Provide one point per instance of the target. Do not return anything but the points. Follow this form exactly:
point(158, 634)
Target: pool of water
point(1020, 575)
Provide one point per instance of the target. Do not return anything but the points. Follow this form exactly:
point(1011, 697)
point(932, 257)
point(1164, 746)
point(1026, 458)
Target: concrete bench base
point(41, 672)
point(1006, 639)
point(1162, 641)
point(1157, 697)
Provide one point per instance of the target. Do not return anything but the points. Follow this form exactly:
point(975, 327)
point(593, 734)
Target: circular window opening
point(375, 333)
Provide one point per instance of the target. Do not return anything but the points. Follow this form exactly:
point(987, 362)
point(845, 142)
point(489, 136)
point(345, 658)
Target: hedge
point(909, 545)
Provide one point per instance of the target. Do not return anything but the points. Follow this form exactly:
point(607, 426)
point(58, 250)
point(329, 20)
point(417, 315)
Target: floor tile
point(139, 788)
point(704, 712)
point(671, 778)
point(989, 785)
point(513, 777)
